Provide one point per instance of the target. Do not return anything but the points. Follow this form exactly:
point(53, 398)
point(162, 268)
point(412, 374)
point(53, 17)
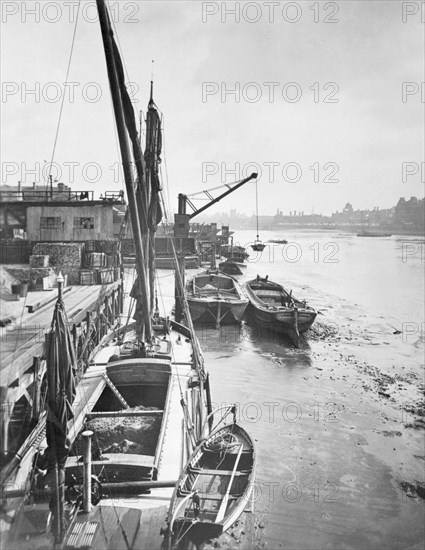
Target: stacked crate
point(101, 262)
point(106, 275)
point(96, 260)
point(88, 277)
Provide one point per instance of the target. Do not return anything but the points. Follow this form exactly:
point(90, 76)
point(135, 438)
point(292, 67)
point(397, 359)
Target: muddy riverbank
point(338, 423)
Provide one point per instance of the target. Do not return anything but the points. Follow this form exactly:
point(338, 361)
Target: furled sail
point(153, 159)
point(61, 373)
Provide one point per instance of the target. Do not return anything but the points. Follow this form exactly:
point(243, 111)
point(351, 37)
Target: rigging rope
point(63, 95)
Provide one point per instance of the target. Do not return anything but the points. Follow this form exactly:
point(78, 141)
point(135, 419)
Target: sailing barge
point(273, 308)
point(143, 403)
point(137, 413)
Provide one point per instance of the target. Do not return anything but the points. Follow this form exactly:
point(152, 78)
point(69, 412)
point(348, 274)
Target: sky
point(325, 100)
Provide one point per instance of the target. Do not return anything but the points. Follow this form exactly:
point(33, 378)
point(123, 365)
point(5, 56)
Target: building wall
point(62, 224)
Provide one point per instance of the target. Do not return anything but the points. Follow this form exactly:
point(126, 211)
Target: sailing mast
point(136, 202)
point(152, 160)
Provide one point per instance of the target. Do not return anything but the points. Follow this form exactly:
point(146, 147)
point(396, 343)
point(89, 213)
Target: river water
point(338, 423)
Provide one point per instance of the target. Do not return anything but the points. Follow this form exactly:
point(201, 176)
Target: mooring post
point(60, 281)
point(87, 435)
point(6, 409)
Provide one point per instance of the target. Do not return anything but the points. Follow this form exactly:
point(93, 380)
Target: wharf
point(24, 339)
point(91, 311)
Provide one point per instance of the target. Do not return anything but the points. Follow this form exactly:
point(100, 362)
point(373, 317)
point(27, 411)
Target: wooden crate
point(105, 276)
point(88, 277)
point(109, 260)
point(97, 260)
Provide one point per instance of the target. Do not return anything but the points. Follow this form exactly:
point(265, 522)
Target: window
point(50, 223)
point(83, 223)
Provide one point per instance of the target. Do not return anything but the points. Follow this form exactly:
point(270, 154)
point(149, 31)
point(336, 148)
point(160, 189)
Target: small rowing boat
point(215, 486)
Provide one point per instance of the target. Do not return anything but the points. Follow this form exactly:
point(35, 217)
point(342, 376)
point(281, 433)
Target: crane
point(185, 199)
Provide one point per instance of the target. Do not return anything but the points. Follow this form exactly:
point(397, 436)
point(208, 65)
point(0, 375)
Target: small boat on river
point(273, 308)
point(367, 233)
point(215, 296)
point(214, 488)
point(278, 241)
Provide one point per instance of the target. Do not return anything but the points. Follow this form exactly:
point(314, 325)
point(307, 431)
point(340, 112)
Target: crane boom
point(184, 199)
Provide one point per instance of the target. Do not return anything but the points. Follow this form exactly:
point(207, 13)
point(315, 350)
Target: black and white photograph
point(212, 275)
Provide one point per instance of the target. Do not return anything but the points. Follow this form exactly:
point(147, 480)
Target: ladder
point(116, 392)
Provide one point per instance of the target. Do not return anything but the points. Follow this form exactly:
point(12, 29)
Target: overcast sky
point(318, 105)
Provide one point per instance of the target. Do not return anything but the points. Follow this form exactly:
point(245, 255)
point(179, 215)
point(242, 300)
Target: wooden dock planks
point(24, 340)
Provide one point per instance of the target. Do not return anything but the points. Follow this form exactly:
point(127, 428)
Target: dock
point(91, 311)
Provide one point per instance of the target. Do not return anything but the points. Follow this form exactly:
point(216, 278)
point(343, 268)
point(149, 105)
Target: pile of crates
point(101, 263)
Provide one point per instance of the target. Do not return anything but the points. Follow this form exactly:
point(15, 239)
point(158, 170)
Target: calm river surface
point(338, 423)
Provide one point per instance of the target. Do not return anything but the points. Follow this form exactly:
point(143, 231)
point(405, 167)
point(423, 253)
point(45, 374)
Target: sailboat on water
point(118, 441)
point(258, 245)
point(140, 407)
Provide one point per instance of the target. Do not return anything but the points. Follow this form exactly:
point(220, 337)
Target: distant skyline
point(317, 107)
point(230, 211)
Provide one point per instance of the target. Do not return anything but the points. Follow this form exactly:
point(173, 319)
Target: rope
point(63, 96)
point(223, 443)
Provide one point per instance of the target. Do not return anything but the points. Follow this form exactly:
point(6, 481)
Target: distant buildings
point(375, 217)
point(405, 217)
point(410, 214)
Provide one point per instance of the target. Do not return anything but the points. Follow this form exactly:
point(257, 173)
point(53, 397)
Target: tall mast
point(152, 160)
point(127, 164)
